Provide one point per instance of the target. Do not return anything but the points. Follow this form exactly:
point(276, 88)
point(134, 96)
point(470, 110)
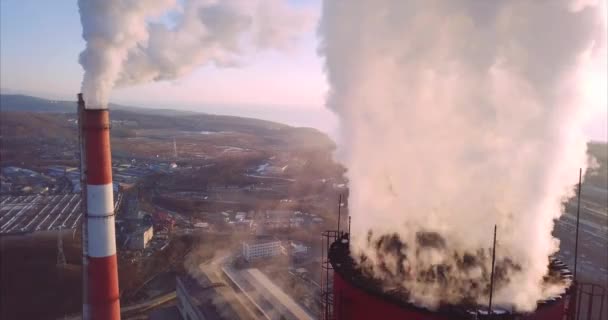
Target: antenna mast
point(174, 149)
point(492, 274)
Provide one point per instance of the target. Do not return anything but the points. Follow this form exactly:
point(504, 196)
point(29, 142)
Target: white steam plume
point(455, 116)
point(131, 42)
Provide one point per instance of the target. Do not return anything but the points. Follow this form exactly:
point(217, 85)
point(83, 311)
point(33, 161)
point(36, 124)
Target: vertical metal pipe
point(83, 208)
point(590, 302)
point(571, 308)
point(339, 207)
point(492, 274)
point(349, 226)
point(578, 302)
point(578, 215)
point(602, 298)
point(605, 289)
point(322, 283)
point(341, 302)
point(327, 281)
point(102, 268)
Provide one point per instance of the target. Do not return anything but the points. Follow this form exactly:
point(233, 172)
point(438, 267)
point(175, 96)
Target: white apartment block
point(261, 248)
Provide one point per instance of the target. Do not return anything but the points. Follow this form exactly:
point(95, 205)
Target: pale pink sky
point(41, 41)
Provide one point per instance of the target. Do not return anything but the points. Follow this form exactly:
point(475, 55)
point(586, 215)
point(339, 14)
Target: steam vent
point(356, 296)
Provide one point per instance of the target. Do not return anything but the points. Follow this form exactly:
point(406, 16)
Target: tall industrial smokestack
point(127, 44)
point(102, 273)
point(83, 206)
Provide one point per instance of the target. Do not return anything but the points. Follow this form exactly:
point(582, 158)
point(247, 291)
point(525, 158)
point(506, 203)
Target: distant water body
point(326, 121)
point(318, 118)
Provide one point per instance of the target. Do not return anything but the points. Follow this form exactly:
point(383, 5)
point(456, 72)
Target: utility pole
point(174, 149)
point(492, 274)
point(61, 262)
point(339, 207)
point(578, 216)
point(349, 226)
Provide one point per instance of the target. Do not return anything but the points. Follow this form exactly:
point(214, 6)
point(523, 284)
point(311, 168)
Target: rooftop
point(23, 214)
point(261, 239)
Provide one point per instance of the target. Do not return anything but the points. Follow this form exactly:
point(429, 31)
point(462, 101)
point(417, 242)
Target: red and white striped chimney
point(102, 280)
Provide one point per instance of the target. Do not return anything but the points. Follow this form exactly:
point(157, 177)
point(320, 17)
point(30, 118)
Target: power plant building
point(261, 247)
point(141, 237)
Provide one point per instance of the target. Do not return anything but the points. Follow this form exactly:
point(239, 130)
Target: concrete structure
point(356, 296)
point(295, 249)
point(261, 247)
point(240, 216)
point(140, 237)
point(102, 270)
point(267, 297)
point(298, 248)
point(77, 187)
point(199, 300)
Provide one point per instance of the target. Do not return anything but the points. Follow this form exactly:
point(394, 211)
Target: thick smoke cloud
point(133, 42)
point(456, 116)
point(111, 29)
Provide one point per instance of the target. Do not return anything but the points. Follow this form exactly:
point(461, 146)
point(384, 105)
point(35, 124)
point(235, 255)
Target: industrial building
point(25, 214)
point(353, 295)
point(297, 248)
point(140, 238)
point(261, 247)
point(32, 213)
point(268, 298)
point(297, 251)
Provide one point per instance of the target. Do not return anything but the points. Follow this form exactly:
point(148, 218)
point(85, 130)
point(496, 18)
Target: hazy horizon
point(39, 56)
point(318, 118)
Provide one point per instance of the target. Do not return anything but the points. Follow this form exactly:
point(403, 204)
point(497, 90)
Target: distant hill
point(25, 103)
point(55, 113)
point(148, 118)
point(17, 102)
point(23, 126)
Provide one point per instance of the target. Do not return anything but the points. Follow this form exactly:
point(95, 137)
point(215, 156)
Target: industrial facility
point(353, 295)
point(261, 247)
point(25, 214)
point(100, 266)
point(37, 213)
point(141, 237)
point(201, 299)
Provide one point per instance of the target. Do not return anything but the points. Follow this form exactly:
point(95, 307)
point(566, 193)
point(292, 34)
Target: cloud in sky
point(41, 41)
